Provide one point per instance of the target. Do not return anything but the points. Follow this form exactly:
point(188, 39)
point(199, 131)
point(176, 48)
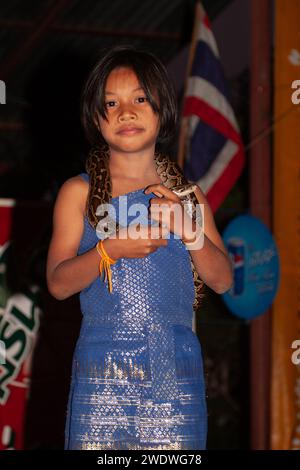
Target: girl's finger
point(162, 191)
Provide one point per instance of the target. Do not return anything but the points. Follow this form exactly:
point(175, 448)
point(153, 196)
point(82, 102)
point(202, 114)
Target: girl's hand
point(136, 241)
point(169, 211)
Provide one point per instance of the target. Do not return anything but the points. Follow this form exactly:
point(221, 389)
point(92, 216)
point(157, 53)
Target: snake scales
point(100, 192)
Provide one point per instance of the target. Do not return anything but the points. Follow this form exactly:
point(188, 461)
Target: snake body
point(100, 192)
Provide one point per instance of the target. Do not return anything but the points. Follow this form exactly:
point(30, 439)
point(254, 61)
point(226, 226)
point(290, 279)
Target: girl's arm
point(68, 273)
point(212, 261)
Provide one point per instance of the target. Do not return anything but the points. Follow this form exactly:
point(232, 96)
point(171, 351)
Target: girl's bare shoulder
point(76, 182)
point(73, 192)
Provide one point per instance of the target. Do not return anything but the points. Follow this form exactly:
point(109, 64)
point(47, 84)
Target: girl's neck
point(133, 166)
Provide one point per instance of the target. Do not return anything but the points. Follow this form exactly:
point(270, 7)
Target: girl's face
point(132, 125)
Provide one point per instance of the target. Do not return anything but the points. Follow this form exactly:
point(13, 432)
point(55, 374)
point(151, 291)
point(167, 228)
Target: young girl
point(137, 376)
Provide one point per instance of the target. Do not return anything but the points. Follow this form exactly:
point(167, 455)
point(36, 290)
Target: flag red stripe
point(206, 22)
point(195, 106)
point(224, 184)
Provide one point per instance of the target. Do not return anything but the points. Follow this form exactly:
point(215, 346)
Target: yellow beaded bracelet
point(105, 262)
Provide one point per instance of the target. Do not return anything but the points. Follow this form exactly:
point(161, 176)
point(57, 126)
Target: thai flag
point(214, 148)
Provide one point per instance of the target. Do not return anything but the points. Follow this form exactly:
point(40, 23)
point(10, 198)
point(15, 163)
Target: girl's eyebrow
point(111, 93)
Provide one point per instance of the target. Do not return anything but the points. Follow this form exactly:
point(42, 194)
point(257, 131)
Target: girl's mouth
point(129, 130)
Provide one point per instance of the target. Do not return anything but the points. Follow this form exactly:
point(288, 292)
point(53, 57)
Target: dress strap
point(85, 176)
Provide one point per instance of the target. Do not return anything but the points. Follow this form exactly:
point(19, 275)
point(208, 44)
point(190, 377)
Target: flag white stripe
point(218, 166)
point(207, 92)
point(192, 124)
point(206, 35)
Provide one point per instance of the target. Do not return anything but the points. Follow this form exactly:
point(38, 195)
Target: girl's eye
point(109, 104)
point(142, 99)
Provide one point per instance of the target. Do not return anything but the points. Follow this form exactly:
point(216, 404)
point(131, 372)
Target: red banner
point(19, 322)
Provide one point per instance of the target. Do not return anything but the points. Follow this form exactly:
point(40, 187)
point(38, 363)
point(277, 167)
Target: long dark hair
point(153, 78)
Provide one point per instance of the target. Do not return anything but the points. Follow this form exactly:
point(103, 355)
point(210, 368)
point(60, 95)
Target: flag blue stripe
point(205, 144)
point(207, 66)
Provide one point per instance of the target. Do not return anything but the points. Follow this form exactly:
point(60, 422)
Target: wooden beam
point(260, 204)
point(35, 35)
point(93, 31)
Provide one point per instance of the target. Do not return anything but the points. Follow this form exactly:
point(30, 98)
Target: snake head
point(184, 190)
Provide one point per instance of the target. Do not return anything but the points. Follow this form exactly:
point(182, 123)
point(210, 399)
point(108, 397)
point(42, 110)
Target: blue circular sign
point(255, 260)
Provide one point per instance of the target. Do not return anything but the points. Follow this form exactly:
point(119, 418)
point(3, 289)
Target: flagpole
point(199, 15)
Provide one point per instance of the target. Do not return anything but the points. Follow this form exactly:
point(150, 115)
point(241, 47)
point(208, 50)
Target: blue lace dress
point(137, 375)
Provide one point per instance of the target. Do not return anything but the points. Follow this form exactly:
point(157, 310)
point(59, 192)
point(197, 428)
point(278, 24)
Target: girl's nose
point(126, 113)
